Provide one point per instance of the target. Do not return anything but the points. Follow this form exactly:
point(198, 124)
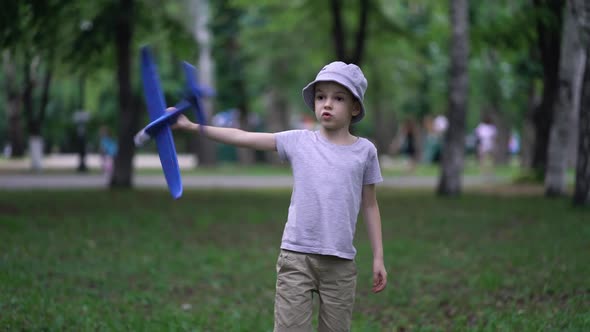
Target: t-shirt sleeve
point(286, 140)
point(372, 170)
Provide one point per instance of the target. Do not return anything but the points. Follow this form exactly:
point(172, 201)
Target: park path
point(73, 181)
point(14, 176)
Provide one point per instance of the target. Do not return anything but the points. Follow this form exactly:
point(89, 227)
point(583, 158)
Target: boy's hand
point(182, 122)
point(379, 276)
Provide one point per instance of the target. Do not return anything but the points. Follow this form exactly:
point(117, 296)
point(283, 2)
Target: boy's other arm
point(372, 217)
point(232, 136)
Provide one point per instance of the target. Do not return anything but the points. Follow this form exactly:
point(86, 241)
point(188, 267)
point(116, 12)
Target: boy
point(334, 177)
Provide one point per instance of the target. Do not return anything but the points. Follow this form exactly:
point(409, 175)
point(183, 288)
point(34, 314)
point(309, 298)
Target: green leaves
point(508, 25)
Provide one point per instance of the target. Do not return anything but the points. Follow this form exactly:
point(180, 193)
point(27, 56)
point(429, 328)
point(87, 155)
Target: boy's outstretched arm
point(232, 136)
point(372, 218)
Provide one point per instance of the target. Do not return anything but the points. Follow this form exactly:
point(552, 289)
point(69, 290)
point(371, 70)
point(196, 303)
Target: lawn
point(139, 261)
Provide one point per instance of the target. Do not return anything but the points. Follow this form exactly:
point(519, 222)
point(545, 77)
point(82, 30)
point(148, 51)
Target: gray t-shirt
point(326, 198)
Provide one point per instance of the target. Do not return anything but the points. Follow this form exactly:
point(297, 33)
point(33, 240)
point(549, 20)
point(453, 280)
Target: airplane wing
point(154, 98)
point(195, 91)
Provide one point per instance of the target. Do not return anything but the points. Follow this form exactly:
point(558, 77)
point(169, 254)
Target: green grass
point(139, 261)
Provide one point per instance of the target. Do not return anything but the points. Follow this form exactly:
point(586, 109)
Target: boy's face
point(334, 105)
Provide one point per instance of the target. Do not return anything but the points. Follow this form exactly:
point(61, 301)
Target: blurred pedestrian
point(486, 143)
point(108, 150)
point(410, 137)
point(432, 140)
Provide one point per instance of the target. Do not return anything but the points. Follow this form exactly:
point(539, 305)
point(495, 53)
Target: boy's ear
point(356, 108)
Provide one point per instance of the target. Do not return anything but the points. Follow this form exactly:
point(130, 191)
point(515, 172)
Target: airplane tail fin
point(141, 138)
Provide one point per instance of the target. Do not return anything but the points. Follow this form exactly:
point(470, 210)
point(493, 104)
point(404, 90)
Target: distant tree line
point(520, 62)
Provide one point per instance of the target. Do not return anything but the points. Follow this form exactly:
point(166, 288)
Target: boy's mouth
point(326, 115)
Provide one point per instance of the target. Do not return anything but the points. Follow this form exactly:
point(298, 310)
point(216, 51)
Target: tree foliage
point(274, 47)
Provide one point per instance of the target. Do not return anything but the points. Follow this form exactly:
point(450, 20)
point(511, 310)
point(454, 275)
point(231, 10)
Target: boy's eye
point(319, 97)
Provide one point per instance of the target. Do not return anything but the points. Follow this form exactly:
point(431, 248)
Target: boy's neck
point(339, 136)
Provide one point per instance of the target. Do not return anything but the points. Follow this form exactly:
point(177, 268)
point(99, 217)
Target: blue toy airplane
point(159, 127)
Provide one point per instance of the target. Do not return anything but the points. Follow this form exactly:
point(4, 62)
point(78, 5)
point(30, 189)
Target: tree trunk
point(13, 107)
point(454, 141)
point(277, 107)
point(35, 116)
point(559, 142)
point(572, 152)
point(338, 30)
point(582, 185)
point(29, 86)
point(549, 35)
point(494, 96)
point(382, 121)
point(361, 33)
point(36, 152)
point(246, 156)
point(528, 131)
point(231, 62)
point(339, 34)
point(129, 115)
point(205, 148)
point(36, 141)
point(32, 75)
point(501, 154)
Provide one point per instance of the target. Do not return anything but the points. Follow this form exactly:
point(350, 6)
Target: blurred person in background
point(486, 133)
point(108, 150)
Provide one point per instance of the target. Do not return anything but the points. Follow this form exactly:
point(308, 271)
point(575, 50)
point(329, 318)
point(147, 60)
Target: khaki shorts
point(300, 275)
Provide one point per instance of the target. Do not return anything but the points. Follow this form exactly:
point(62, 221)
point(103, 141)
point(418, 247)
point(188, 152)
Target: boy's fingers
point(378, 288)
point(170, 109)
point(379, 282)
